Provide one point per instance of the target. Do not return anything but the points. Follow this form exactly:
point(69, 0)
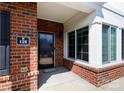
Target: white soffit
point(117, 5)
point(85, 7)
point(55, 12)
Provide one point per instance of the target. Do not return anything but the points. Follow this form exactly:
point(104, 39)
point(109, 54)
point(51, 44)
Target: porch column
point(95, 44)
point(119, 44)
point(65, 45)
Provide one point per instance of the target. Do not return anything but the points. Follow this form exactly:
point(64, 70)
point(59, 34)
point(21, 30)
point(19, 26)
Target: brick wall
point(57, 28)
point(23, 23)
point(96, 76)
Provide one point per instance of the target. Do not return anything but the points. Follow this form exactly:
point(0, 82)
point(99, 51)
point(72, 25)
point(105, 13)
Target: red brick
point(96, 76)
point(20, 22)
point(57, 28)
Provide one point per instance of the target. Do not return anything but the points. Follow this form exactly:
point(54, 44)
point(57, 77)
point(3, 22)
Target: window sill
point(79, 62)
point(111, 63)
point(4, 78)
point(101, 66)
point(99, 69)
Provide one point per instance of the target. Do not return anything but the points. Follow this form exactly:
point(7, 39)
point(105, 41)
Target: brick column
point(23, 23)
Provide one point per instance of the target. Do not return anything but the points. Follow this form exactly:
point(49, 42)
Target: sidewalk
point(64, 80)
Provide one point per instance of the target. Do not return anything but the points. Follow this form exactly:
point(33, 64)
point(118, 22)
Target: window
point(4, 42)
point(82, 44)
point(105, 29)
point(113, 43)
point(123, 44)
point(108, 43)
point(71, 46)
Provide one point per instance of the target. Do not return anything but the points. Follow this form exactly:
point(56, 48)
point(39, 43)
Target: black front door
point(46, 50)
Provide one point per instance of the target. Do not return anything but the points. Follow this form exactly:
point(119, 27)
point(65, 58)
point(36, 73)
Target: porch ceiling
point(59, 12)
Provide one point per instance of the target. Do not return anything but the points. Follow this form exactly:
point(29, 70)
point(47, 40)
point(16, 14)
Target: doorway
point(45, 50)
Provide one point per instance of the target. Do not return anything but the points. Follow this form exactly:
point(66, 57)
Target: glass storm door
point(46, 50)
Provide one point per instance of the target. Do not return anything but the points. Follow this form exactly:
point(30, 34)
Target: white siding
point(95, 20)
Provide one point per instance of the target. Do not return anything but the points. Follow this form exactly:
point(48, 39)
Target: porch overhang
point(80, 6)
point(61, 11)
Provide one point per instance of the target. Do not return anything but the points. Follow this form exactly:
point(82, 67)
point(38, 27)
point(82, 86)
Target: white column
point(65, 45)
point(118, 45)
point(95, 44)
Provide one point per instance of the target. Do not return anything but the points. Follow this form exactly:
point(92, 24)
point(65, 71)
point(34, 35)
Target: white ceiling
point(55, 12)
point(84, 7)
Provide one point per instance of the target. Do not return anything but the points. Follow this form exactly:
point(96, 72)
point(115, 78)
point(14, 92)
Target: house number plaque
point(23, 40)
